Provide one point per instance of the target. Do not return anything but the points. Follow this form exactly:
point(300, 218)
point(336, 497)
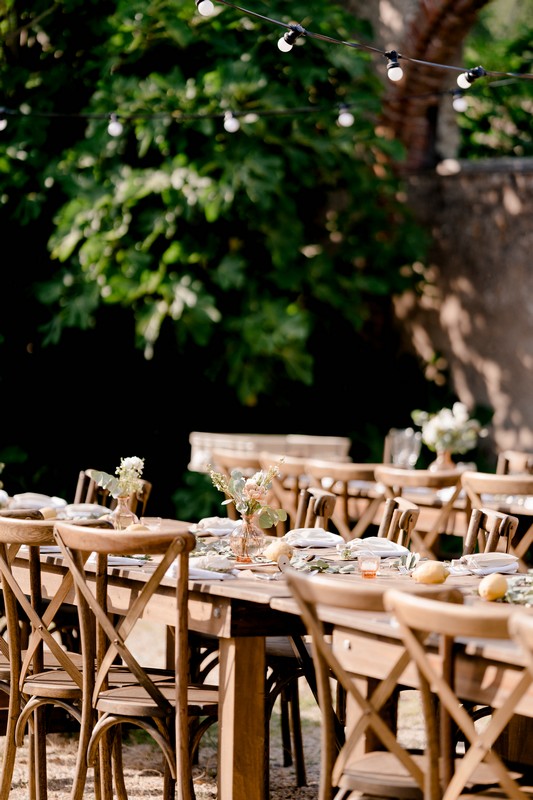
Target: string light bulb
point(115, 127)
point(459, 102)
point(394, 71)
point(288, 39)
point(466, 79)
point(205, 7)
point(3, 123)
point(345, 119)
point(231, 123)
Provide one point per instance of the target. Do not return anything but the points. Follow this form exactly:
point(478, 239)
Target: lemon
point(430, 572)
point(492, 587)
point(137, 526)
point(276, 548)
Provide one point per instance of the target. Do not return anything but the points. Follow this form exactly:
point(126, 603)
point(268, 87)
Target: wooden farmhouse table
point(241, 612)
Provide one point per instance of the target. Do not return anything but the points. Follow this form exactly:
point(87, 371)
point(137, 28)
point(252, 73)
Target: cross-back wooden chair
point(163, 704)
point(436, 512)
point(288, 658)
point(287, 485)
point(508, 494)
point(88, 491)
point(34, 655)
point(521, 631)
point(429, 629)
point(512, 462)
point(358, 498)
point(315, 508)
point(388, 770)
point(489, 531)
point(398, 521)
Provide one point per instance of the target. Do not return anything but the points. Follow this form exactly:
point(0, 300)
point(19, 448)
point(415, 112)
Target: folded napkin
point(312, 537)
point(211, 561)
point(4, 498)
point(44, 548)
point(209, 567)
point(214, 526)
point(196, 574)
point(486, 563)
point(377, 545)
point(119, 561)
point(33, 500)
point(83, 511)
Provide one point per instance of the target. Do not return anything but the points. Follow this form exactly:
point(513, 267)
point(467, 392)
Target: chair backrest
point(292, 444)
point(424, 485)
point(26, 611)
point(511, 462)
point(398, 520)
point(355, 487)
point(489, 531)
point(315, 508)
point(314, 594)
point(287, 485)
point(172, 546)
point(506, 493)
point(88, 491)
point(426, 628)
point(402, 446)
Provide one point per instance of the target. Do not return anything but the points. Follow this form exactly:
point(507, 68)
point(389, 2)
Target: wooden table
point(366, 643)
point(241, 612)
point(238, 611)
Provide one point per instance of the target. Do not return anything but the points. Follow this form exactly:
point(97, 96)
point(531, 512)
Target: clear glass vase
point(246, 540)
point(444, 461)
point(122, 516)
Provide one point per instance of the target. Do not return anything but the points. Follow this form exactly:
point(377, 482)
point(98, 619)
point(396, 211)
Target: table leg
point(242, 709)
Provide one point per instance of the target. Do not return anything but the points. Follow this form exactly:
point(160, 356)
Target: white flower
point(250, 494)
point(450, 429)
point(129, 477)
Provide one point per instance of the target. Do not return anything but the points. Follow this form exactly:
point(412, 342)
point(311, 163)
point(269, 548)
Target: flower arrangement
point(129, 477)
point(449, 429)
point(250, 494)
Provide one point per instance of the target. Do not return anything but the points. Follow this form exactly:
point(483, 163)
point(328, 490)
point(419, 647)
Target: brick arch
point(435, 34)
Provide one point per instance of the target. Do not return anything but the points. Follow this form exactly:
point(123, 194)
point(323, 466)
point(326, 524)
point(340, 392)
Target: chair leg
point(286, 746)
point(296, 724)
point(10, 749)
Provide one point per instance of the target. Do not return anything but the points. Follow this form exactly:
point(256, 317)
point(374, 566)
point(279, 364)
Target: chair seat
point(134, 700)
point(281, 647)
point(372, 772)
point(48, 683)
point(52, 683)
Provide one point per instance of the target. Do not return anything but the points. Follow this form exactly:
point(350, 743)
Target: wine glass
point(406, 444)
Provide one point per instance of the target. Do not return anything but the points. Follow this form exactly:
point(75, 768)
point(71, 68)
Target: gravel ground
point(143, 765)
point(143, 762)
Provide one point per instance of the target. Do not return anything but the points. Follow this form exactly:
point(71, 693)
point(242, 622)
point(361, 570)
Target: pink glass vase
point(246, 540)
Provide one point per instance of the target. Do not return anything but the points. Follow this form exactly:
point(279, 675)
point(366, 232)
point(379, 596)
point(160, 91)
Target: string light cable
point(293, 32)
point(466, 77)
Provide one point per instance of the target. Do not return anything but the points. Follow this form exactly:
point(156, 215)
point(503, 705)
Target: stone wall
point(476, 310)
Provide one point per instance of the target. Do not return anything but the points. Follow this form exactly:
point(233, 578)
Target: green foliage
point(239, 243)
point(497, 121)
